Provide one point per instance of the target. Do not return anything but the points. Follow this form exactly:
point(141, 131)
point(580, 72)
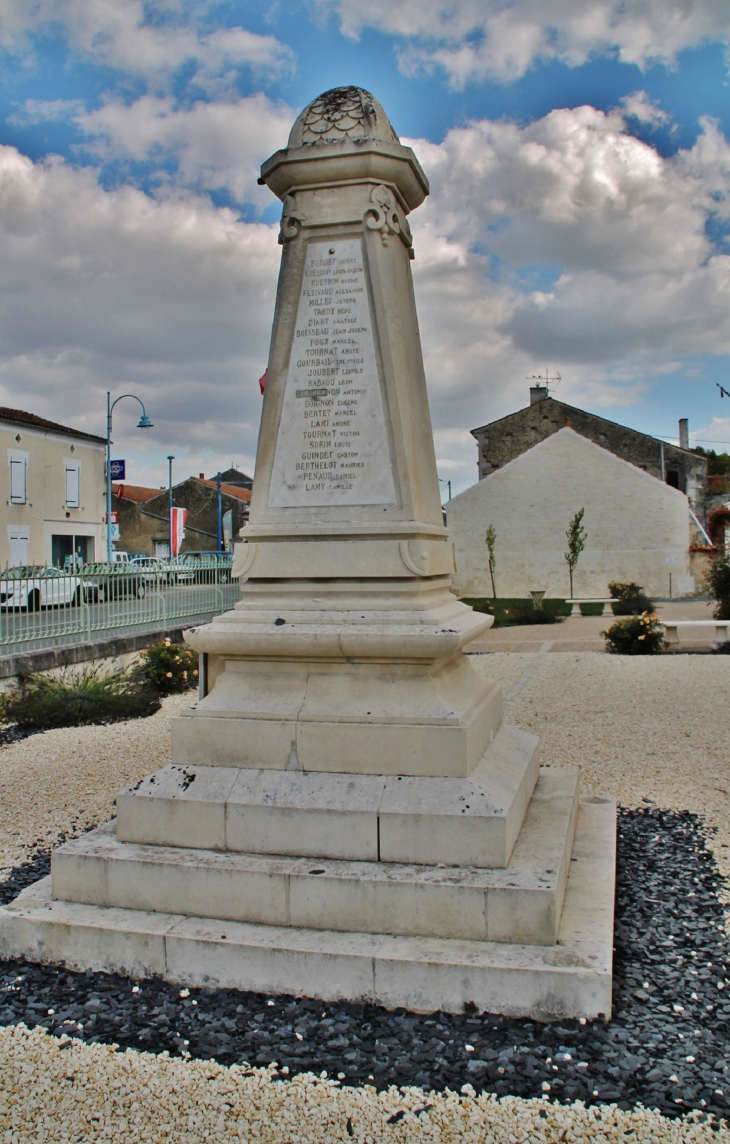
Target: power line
point(697, 441)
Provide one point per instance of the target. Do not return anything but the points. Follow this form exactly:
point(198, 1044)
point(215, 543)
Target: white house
point(637, 526)
point(53, 507)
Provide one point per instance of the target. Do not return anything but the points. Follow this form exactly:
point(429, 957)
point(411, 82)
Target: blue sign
point(118, 470)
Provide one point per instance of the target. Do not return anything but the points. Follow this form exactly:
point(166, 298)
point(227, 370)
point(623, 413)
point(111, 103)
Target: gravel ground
point(649, 731)
point(59, 1091)
point(74, 774)
point(645, 729)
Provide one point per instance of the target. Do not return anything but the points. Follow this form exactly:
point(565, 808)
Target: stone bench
point(673, 629)
point(606, 606)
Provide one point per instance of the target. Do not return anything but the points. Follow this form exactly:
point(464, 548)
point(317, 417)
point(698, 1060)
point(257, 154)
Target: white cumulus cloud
point(213, 144)
point(150, 40)
point(636, 283)
point(502, 39)
point(101, 290)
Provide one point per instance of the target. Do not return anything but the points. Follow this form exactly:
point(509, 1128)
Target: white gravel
point(639, 728)
point(89, 1092)
point(66, 779)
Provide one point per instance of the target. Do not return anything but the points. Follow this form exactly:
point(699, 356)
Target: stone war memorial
point(346, 815)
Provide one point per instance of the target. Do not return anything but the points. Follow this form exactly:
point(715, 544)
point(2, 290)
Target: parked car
point(116, 587)
point(36, 588)
point(178, 571)
point(209, 567)
point(153, 569)
point(113, 581)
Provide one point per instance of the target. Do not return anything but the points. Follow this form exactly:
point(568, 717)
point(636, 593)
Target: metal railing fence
point(40, 607)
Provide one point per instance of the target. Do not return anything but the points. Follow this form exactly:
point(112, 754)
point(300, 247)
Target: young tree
point(491, 539)
point(577, 536)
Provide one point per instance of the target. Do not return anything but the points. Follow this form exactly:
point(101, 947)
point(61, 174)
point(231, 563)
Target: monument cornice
point(352, 161)
point(398, 529)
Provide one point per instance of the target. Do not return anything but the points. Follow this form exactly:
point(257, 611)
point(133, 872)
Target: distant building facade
point(638, 527)
point(502, 441)
point(144, 521)
point(53, 506)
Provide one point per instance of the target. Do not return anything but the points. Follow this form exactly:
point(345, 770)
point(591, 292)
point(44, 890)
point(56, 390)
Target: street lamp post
point(219, 513)
point(170, 459)
point(145, 425)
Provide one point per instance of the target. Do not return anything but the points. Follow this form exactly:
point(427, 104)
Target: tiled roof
point(18, 417)
point(134, 492)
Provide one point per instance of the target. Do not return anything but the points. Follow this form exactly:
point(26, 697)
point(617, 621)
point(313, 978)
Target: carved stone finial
point(344, 113)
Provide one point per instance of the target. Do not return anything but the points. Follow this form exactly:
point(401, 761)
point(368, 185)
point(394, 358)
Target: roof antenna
point(547, 379)
point(723, 392)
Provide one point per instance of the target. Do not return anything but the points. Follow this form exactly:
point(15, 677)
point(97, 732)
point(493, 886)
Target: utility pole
point(219, 513)
point(169, 497)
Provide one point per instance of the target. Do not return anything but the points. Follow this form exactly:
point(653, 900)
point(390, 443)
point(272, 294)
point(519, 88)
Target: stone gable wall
point(634, 523)
point(503, 440)
point(141, 525)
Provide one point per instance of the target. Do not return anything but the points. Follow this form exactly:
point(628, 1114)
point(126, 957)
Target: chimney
point(201, 476)
point(538, 393)
point(683, 433)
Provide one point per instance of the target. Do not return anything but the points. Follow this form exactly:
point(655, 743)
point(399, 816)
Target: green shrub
point(169, 667)
point(717, 580)
point(77, 697)
point(510, 612)
point(631, 599)
point(636, 635)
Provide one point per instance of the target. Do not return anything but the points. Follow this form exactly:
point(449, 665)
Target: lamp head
point(144, 423)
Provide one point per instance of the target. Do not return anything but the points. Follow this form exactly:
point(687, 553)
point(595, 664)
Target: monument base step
point(570, 979)
point(472, 821)
point(519, 903)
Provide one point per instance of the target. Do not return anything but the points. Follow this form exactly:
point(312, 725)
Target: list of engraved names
point(332, 446)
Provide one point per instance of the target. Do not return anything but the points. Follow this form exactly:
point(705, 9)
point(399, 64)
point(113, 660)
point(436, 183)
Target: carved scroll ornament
point(291, 220)
point(382, 215)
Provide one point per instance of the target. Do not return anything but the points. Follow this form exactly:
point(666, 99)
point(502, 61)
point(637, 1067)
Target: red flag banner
point(262, 381)
point(177, 529)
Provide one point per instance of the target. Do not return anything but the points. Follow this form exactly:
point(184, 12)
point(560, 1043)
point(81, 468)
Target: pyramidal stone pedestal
point(346, 814)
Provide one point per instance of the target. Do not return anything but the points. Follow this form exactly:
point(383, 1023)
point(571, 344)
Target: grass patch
point(591, 609)
point(509, 612)
point(76, 698)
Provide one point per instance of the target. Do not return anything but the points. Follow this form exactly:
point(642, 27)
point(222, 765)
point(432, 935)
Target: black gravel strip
point(667, 1047)
point(37, 866)
point(14, 733)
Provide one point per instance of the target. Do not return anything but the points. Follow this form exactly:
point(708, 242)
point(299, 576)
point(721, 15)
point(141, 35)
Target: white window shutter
point(17, 480)
point(72, 486)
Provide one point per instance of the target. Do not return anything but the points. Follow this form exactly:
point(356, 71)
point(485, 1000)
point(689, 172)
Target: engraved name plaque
point(332, 447)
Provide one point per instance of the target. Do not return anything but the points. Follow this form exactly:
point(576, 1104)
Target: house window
point(677, 480)
point(18, 472)
point(73, 491)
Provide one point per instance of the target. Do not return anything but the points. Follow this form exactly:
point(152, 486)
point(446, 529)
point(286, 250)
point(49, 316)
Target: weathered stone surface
point(572, 978)
point(449, 821)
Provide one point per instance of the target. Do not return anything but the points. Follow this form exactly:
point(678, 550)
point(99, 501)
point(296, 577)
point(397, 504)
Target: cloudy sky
point(579, 218)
